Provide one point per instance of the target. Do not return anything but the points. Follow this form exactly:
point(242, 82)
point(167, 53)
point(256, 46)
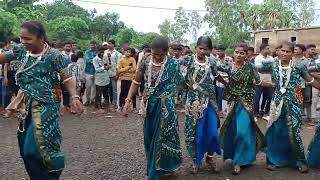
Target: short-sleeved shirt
point(39, 77)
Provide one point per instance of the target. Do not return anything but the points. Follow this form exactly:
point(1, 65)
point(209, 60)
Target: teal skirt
point(313, 157)
point(239, 139)
point(284, 142)
point(161, 138)
point(39, 139)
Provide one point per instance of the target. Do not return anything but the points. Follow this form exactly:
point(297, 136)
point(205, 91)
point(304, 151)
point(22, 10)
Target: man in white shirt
point(225, 61)
point(115, 57)
point(267, 92)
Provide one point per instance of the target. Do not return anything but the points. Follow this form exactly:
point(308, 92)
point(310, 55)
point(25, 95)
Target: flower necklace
point(151, 63)
point(28, 54)
point(284, 78)
point(198, 66)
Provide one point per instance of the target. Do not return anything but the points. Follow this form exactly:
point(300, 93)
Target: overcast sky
point(148, 20)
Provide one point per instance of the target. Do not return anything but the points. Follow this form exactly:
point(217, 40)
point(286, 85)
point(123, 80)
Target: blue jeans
point(265, 104)
point(4, 95)
point(219, 95)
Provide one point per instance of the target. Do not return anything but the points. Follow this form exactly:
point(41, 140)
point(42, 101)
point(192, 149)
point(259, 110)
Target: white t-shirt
point(266, 77)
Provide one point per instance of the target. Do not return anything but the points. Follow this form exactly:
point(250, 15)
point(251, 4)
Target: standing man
point(267, 92)
point(251, 55)
point(67, 49)
point(226, 61)
point(89, 70)
point(115, 57)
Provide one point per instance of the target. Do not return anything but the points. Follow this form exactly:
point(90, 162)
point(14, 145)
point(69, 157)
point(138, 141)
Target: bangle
point(258, 84)
point(66, 80)
point(76, 96)
point(136, 82)
point(129, 100)
point(310, 82)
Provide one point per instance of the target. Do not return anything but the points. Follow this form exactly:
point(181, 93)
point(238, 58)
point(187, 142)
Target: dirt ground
point(102, 148)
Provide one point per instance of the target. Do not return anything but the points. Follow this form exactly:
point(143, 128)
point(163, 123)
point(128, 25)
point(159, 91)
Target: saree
point(161, 130)
point(39, 134)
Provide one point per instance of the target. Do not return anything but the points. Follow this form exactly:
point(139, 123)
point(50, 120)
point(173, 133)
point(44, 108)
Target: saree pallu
point(241, 138)
point(161, 137)
point(202, 135)
point(39, 139)
point(313, 157)
point(284, 143)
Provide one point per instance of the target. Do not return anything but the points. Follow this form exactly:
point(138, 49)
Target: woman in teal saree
point(39, 134)
point(284, 143)
point(161, 132)
point(241, 139)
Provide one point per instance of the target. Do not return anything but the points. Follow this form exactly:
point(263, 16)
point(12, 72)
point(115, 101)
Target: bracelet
point(136, 82)
point(258, 84)
point(128, 100)
point(76, 96)
point(310, 82)
point(66, 80)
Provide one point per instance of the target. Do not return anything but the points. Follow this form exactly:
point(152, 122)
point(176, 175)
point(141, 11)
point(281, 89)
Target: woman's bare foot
point(303, 169)
point(194, 169)
point(236, 170)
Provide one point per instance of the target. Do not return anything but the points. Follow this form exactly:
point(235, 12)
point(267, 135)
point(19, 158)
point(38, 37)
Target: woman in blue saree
point(313, 157)
point(284, 143)
point(241, 138)
point(201, 118)
point(39, 134)
point(161, 139)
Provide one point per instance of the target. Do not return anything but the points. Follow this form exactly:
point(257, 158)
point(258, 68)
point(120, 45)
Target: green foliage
point(106, 26)
point(234, 19)
point(124, 36)
point(8, 25)
point(62, 8)
point(68, 28)
point(141, 39)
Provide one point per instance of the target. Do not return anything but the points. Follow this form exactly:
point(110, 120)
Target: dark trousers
point(4, 95)
point(265, 104)
point(125, 86)
point(102, 91)
point(65, 96)
point(219, 95)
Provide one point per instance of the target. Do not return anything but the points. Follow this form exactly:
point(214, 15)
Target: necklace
point(285, 74)
point(151, 63)
point(198, 66)
point(25, 61)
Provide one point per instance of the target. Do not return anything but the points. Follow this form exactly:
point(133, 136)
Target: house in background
point(307, 35)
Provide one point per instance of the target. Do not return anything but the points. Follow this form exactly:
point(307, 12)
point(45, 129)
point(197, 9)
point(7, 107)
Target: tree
point(30, 13)
point(10, 4)
point(68, 28)
point(195, 24)
point(303, 10)
point(106, 26)
point(61, 8)
point(124, 36)
point(8, 25)
point(181, 25)
point(141, 39)
point(166, 29)
point(227, 17)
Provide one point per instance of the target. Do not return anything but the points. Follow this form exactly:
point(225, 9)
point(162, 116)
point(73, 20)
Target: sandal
point(236, 170)
point(194, 169)
point(303, 169)
point(271, 167)
point(211, 160)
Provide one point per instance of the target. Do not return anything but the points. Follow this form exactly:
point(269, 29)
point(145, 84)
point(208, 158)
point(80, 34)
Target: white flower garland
point(198, 66)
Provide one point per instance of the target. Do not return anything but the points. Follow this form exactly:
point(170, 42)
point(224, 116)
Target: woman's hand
point(76, 105)
point(127, 107)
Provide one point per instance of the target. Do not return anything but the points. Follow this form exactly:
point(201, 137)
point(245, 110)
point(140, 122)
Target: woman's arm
point(3, 58)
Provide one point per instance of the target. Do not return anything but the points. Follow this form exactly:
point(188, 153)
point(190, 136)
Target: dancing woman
point(202, 120)
point(241, 138)
point(161, 139)
point(284, 144)
point(39, 134)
